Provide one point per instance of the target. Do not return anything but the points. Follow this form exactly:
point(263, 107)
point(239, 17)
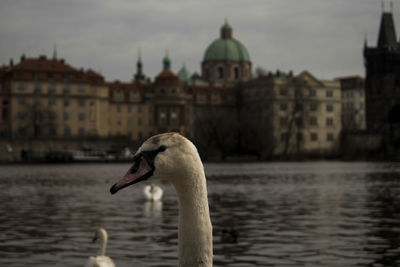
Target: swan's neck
point(195, 230)
point(103, 240)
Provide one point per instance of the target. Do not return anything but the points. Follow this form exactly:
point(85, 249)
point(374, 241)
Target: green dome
point(226, 48)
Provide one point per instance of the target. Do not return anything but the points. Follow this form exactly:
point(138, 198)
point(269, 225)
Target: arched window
point(236, 73)
point(220, 72)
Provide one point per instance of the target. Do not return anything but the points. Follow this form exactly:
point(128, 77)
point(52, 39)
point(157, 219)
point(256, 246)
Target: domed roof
point(167, 77)
point(184, 74)
point(226, 48)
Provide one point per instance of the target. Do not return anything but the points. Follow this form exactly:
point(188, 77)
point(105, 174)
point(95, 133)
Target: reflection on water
point(263, 214)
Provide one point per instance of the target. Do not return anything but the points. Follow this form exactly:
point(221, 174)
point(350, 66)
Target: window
point(81, 116)
point(283, 91)
point(283, 106)
point(313, 92)
point(329, 93)
point(299, 122)
point(313, 106)
point(118, 108)
point(284, 136)
point(236, 73)
point(66, 102)
point(329, 121)
point(37, 89)
point(139, 121)
point(37, 101)
point(129, 109)
point(283, 121)
point(21, 115)
point(220, 72)
point(52, 101)
point(52, 116)
point(52, 131)
point(81, 89)
point(139, 109)
point(81, 102)
point(313, 121)
point(329, 137)
point(314, 137)
point(329, 107)
point(66, 90)
point(298, 107)
point(118, 121)
point(81, 131)
point(21, 87)
point(66, 116)
point(52, 89)
point(299, 137)
point(21, 101)
point(67, 131)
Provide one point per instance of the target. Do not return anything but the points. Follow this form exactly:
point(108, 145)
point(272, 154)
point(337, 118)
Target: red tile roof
point(43, 69)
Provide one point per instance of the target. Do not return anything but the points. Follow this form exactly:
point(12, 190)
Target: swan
point(172, 157)
point(100, 260)
point(152, 192)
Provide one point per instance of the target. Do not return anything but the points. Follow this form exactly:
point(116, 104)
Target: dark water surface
point(285, 214)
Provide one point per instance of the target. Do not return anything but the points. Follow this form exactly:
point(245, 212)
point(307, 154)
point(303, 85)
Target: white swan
point(152, 192)
point(100, 260)
point(172, 157)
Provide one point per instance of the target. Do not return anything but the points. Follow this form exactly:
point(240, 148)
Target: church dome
point(226, 48)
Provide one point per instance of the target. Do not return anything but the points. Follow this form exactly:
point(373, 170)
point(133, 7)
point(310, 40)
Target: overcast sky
point(321, 36)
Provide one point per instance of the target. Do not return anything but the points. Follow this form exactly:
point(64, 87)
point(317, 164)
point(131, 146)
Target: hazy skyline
point(323, 37)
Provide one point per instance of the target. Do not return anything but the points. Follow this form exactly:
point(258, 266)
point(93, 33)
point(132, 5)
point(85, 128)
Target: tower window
point(236, 73)
point(220, 72)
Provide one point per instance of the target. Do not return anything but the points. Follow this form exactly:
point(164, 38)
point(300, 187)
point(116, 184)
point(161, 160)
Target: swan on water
point(172, 157)
point(100, 260)
point(152, 192)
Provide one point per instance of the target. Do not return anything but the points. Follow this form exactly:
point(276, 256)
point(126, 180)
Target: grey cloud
point(325, 37)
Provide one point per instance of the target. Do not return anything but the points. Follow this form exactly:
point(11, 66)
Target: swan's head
point(165, 156)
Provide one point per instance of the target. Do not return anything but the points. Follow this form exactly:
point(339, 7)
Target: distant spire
point(365, 40)
point(226, 30)
point(166, 61)
point(55, 51)
point(139, 76)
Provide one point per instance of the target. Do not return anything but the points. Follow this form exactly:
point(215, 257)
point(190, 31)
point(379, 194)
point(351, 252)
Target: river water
point(284, 214)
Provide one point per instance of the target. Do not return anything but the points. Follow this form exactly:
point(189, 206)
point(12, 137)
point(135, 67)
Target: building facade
point(293, 114)
point(382, 84)
point(223, 108)
point(353, 103)
point(49, 98)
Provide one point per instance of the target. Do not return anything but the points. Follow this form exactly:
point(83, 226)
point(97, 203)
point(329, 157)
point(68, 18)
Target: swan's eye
point(162, 148)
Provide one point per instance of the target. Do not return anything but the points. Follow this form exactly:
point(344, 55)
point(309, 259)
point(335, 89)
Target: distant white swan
point(172, 157)
point(152, 192)
point(100, 260)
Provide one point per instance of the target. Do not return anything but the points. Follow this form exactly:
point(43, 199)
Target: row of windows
point(129, 109)
point(52, 116)
point(299, 107)
point(221, 73)
point(312, 137)
point(313, 121)
point(53, 101)
point(130, 121)
point(351, 94)
point(51, 88)
point(298, 93)
point(350, 105)
point(52, 131)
